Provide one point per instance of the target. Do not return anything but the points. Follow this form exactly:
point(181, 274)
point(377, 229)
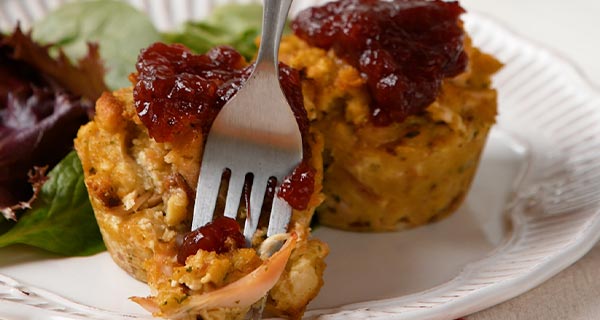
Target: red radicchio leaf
point(85, 80)
point(37, 178)
point(43, 102)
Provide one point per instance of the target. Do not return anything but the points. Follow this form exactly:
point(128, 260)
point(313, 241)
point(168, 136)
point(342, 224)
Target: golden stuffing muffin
point(406, 174)
point(404, 103)
point(142, 193)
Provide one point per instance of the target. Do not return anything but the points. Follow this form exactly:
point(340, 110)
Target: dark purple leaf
point(43, 102)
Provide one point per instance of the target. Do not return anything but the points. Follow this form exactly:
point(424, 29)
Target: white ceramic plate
point(533, 210)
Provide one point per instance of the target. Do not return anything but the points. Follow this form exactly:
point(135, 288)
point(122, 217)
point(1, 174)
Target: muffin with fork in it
point(141, 158)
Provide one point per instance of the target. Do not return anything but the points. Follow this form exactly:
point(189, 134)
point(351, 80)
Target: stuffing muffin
point(406, 174)
point(142, 192)
point(142, 195)
point(404, 103)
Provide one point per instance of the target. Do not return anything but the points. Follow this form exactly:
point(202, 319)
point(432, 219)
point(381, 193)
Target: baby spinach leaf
point(119, 29)
point(61, 220)
point(237, 25)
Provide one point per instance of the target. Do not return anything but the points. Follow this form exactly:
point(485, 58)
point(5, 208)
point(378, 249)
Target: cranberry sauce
point(298, 187)
point(178, 91)
point(221, 235)
point(404, 48)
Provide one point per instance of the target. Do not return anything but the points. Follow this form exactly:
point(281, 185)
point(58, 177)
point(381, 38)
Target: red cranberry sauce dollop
point(404, 48)
point(221, 235)
point(178, 91)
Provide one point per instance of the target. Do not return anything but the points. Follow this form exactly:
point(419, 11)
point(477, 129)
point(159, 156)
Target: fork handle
point(275, 13)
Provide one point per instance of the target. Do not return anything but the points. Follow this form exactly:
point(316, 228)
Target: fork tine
point(234, 193)
point(257, 195)
point(280, 216)
point(206, 196)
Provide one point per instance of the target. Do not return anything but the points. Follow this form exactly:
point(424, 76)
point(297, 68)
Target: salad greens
point(119, 29)
point(43, 102)
point(237, 25)
point(61, 219)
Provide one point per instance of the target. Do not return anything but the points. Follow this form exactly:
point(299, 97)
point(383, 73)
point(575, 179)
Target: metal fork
point(255, 132)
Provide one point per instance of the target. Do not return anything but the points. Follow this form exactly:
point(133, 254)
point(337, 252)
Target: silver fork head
point(255, 132)
point(241, 157)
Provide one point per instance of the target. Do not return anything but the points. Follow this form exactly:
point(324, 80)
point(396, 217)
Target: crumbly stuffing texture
point(403, 175)
point(143, 192)
point(203, 272)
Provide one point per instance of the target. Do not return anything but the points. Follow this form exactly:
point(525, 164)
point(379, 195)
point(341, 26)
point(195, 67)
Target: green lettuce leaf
point(119, 29)
point(237, 25)
point(61, 220)
point(5, 225)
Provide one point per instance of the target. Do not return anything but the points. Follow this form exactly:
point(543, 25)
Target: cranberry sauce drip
point(178, 91)
point(221, 235)
point(298, 187)
point(404, 48)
